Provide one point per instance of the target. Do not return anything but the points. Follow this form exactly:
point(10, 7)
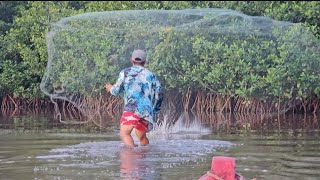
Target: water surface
point(179, 153)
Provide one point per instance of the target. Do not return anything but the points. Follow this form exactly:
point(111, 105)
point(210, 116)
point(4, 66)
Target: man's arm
point(117, 88)
point(158, 97)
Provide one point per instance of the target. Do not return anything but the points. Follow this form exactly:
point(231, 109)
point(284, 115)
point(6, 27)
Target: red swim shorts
point(129, 118)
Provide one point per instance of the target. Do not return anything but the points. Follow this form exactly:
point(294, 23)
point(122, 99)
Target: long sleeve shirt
point(141, 90)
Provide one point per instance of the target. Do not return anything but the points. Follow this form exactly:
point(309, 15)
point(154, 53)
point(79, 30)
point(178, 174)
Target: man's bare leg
point(142, 136)
point(125, 134)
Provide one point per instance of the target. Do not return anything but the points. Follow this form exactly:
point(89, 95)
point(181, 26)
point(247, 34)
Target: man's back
point(141, 90)
point(142, 97)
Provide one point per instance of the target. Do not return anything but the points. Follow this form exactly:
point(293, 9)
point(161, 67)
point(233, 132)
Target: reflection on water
point(134, 164)
point(104, 158)
point(45, 149)
point(218, 122)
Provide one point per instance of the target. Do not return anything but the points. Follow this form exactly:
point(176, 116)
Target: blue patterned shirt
point(142, 92)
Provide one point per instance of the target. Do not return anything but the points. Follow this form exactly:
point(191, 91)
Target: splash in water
point(168, 148)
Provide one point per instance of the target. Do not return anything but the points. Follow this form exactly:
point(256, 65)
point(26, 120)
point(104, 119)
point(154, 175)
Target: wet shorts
point(129, 118)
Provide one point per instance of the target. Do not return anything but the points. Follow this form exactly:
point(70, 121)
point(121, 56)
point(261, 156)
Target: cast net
point(185, 48)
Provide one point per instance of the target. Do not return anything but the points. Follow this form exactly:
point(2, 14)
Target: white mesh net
point(86, 51)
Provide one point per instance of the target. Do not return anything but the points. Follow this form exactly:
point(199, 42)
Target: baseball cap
point(139, 56)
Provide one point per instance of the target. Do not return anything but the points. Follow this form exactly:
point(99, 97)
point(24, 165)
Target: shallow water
point(178, 153)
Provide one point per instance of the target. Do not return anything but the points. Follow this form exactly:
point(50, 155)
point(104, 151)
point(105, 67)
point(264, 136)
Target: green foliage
point(284, 65)
point(8, 9)
point(237, 66)
point(136, 5)
point(293, 11)
point(26, 44)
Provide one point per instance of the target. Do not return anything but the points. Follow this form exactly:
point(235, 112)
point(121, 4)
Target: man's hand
point(108, 86)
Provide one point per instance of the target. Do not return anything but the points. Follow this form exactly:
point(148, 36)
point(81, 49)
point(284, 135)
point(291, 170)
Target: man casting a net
point(142, 98)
